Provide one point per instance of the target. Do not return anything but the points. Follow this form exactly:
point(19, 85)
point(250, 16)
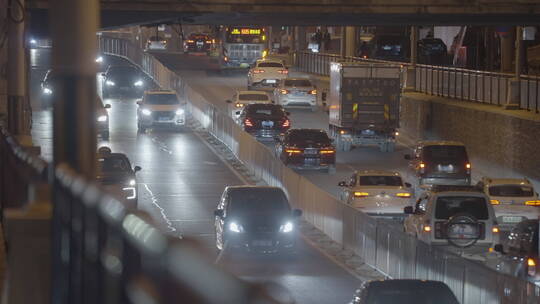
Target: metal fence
point(463, 84)
point(386, 248)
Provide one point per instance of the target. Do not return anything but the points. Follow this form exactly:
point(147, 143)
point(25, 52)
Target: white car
point(378, 193)
point(458, 218)
point(266, 73)
point(242, 98)
point(297, 93)
point(160, 108)
point(513, 199)
point(156, 43)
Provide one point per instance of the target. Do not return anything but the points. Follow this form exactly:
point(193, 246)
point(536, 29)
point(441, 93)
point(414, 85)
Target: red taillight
point(293, 151)
point(190, 41)
point(257, 71)
point(327, 151)
point(422, 167)
point(283, 71)
point(313, 92)
point(225, 58)
point(468, 167)
point(286, 123)
point(284, 92)
point(248, 123)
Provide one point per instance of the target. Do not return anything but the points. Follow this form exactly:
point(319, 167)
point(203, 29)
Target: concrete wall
point(495, 138)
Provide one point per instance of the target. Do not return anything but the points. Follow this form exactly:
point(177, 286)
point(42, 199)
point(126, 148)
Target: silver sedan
point(296, 93)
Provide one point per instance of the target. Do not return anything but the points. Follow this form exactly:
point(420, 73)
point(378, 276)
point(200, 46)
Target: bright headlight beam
point(234, 227)
point(132, 182)
point(99, 59)
point(138, 83)
point(287, 227)
point(102, 118)
point(180, 112)
point(109, 83)
point(47, 91)
point(146, 112)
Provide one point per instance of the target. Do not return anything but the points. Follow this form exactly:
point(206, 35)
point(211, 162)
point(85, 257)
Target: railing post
point(410, 84)
point(513, 98)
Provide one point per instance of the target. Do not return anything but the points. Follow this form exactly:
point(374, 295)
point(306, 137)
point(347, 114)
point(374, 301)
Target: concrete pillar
point(18, 109)
point(513, 99)
point(343, 42)
point(507, 51)
point(350, 41)
point(410, 82)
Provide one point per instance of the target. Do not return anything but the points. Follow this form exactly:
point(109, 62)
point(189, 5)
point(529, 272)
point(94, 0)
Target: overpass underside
point(116, 13)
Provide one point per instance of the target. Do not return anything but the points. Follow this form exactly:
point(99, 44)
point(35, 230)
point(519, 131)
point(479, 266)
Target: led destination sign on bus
point(245, 31)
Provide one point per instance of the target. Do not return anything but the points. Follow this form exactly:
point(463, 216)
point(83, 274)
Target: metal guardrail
point(463, 84)
point(388, 249)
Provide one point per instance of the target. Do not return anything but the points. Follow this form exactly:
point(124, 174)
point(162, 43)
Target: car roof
point(439, 143)
point(251, 92)
point(506, 181)
point(377, 173)
point(157, 92)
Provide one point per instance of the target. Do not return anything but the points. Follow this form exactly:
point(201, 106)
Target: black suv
point(264, 121)
point(255, 218)
point(441, 163)
point(123, 80)
point(307, 148)
point(116, 176)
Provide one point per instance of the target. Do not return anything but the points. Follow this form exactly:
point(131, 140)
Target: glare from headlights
point(146, 112)
point(33, 41)
point(180, 112)
point(138, 83)
point(110, 83)
point(287, 227)
point(102, 118)
point(99, 59)
point(132, 182)
point(47, 91)
point(234, 227)
point(132, 192)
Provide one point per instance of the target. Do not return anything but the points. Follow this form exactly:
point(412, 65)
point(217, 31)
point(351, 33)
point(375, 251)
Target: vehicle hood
point(260, 223)
point(163, 108)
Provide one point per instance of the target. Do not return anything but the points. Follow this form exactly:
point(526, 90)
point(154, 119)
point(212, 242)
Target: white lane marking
point(161, 145)
point(161, 209)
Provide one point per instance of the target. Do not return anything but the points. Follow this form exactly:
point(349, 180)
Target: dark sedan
point(307, 149)
point(123, 80)
point(264, 121)
point(198, 43)
point(116, 176)
point(257, 219)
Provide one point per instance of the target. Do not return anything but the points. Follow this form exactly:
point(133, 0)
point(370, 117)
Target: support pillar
point(18, 109)
point(507, 51)
point(350, 41)
point(410, 82)
point(513, 99)
point(73, 26)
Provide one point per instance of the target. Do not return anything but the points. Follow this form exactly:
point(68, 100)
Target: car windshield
point(448, 206)
point(445, 153)
point(113, 164)
point(388, 295)
point(257, 201)
point(161, 99)
point(260, 97)
point(511, 190)
point(297, 83)
point(308, 136)
point(123, 71)
point(380, 180)
point(264, 110)
point(269, 65)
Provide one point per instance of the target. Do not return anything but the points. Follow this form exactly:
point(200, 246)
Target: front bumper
point(262, 242)
point(171, 120)
point(290, 101)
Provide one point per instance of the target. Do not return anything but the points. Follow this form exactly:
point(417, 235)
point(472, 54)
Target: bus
point(241, 46)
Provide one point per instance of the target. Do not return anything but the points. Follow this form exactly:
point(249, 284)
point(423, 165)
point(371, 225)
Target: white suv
point(266, 73)
point(513, 199)
point(242, 98)
point(455, 217)
point(160, 108)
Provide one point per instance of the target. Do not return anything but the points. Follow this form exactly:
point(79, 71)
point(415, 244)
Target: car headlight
point(99, 59)
point(287, 227)
point(102, 118)
point(132, 182)
point(234, 227)
point(47, 91)
point(146, 112)
point(138, 83)
point(180, 112)
point(110, 83)
point(131, 192)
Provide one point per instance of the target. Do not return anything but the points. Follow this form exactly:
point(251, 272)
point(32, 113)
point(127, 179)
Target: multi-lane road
point(181, 182)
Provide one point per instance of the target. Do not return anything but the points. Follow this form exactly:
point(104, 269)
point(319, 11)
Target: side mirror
point(407, 157)
point(342, 184)
point(237, 112)
point(137, 168)
point(408, 185)
point(297, 213)
point(498, 248)
point(228, 101)
point(219, 213)
point(108, 106)
point(408, 210)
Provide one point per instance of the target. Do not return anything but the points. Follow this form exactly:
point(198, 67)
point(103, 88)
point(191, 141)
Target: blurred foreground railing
point(462, 84)
point(97, 249)
point(382, 246)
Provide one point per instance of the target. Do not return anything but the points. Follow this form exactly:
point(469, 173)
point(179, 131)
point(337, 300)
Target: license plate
point(448, 169)
point(163, 119)
point(267, 124)
point(310, 151)
point(262, 243)
point(511, 219)
point(270, 81)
